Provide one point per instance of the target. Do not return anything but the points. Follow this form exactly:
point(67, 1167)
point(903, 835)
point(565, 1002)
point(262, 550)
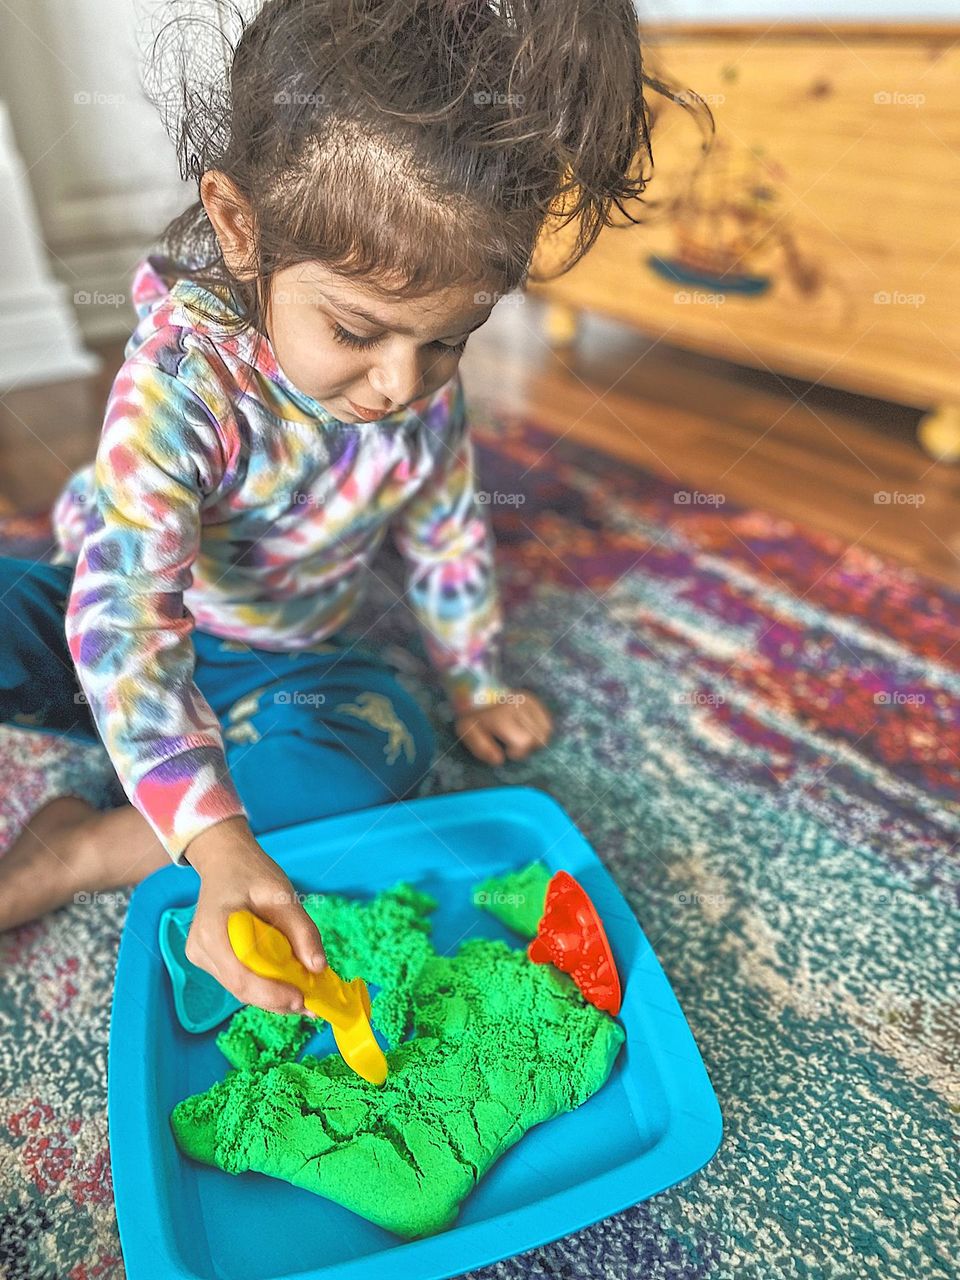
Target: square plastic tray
point(655, 1122)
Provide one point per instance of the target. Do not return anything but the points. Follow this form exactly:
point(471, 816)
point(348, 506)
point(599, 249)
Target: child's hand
point(235, 873)
point(521, 725)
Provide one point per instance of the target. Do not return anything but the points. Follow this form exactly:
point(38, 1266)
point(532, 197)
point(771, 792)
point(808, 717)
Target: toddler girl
point(372, 176)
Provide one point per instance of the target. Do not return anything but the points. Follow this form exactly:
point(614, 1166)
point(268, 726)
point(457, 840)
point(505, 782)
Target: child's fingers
point(517, 739)
point(208, 946)
point(539, 723)
point(481, 744)
point(277, 997)
point(535, 715)
point(289, 917)
point(247, 986)
point(518, 733)
point(544, 721)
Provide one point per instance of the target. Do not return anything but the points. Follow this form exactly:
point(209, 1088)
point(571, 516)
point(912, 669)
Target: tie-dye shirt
point(224, 497)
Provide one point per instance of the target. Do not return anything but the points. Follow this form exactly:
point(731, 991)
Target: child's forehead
point(457, 306)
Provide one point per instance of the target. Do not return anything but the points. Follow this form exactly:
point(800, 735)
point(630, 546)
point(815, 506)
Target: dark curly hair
point(418, 144)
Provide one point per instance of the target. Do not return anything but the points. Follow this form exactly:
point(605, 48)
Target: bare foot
point(45, 865)
point(68, 847)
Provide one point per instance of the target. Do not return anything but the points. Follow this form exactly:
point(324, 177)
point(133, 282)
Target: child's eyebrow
point(377, 320)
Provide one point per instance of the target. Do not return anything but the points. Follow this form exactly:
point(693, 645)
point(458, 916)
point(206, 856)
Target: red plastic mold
point(571, 936)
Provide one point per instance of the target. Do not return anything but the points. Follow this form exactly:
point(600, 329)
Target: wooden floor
point(815, 455)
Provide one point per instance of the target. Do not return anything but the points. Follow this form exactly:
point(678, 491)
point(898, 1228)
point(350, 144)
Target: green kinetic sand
point(498, 1045)
point(516, 899)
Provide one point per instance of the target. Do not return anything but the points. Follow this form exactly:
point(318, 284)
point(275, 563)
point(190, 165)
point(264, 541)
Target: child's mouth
point(367, 415)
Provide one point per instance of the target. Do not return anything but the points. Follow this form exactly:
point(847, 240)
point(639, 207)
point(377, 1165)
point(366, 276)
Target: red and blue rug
point(759, 731)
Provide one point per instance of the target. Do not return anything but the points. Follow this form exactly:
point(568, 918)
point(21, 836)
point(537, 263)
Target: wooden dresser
point(820, 238)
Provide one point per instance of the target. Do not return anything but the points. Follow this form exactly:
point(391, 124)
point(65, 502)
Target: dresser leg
point(939, 433)
point(560, 324)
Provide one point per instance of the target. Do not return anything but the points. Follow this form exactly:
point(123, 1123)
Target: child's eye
point(354, 340)
point(349, 339)
point(455, 346)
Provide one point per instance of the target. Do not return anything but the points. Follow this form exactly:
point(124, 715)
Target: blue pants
point(306, 734)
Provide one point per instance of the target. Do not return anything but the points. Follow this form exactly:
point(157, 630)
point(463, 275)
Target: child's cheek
point(315, 364)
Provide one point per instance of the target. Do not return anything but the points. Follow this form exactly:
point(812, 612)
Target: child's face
point(403, 352)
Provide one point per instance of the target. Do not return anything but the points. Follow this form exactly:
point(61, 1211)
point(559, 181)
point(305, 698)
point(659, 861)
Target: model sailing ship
point(729, 234)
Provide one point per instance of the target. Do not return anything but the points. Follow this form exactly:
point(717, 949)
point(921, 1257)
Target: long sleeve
point(445, 538)
point(129, 632)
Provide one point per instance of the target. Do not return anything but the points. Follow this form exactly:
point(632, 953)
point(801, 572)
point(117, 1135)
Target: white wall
point(39, 339)
point(102, 170)
point(771, 11)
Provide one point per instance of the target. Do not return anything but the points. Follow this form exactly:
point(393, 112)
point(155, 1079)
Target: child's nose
point(400, 380)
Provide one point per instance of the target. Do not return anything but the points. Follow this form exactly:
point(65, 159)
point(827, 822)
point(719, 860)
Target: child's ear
point(232, 220)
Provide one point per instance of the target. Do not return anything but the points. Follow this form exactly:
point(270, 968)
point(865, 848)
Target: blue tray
point(654, 1122)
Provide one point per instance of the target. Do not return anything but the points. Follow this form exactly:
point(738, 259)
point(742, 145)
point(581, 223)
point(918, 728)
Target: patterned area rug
point(758, 731)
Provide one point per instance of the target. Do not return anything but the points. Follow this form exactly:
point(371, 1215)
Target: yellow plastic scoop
point(345, 1005)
